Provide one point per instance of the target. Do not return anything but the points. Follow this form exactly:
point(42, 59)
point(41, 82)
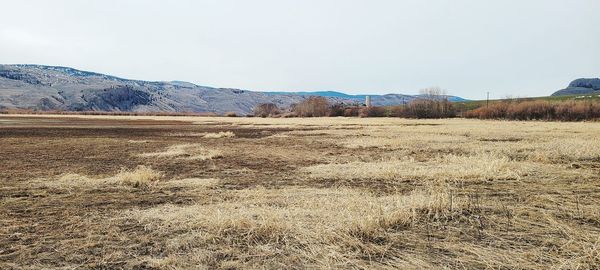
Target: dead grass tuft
point(480, 167)
point(186, 151)
point(141, 176)
point(222, 134)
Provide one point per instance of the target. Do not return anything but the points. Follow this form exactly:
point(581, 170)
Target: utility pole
point(487, 101)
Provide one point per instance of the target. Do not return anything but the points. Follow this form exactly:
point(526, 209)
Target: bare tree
point(266, 109)
point(433, 93)
point(312, 107)
point(432, 103)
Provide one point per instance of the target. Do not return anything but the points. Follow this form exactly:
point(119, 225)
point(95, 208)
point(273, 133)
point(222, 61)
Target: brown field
point(142, 192)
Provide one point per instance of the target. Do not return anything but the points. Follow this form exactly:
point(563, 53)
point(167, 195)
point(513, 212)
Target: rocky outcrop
point(580, 87)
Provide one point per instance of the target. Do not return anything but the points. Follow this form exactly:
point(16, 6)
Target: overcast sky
point(468, 47)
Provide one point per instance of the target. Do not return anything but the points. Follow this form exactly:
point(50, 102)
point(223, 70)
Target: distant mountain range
point(40, 87)
point(387, 99)
point(581, 87)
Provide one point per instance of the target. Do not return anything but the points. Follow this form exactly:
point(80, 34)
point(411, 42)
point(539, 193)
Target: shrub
point(351, 111)
point(372, 112)
point(577, 111)
point(266, 109)
point(395, 111)
point(531, 110)
point(432, 103)
point(336, 110)
point(494, 111)
point(428, 108)
point(538, 110)
point(231, 114)
point(312, 107)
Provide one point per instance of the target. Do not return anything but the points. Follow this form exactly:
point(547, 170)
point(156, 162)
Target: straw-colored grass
point(186, 151)
point(138, 141)
point(140, 177)
point(222, 134)
point(318, 193)
point(192, 183)
point(320, 228)
point(481, 167)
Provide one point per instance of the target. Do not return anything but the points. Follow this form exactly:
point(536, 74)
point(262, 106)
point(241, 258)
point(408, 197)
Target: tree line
point(434, 103)
point(431, 103)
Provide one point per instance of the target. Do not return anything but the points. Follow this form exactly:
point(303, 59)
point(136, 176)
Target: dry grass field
point(126, 192)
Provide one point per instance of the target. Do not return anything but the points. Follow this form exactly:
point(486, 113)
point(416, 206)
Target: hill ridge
point(43, 87)
point(581, 86)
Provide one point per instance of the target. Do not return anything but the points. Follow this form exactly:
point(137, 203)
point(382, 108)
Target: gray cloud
point(510, 47)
